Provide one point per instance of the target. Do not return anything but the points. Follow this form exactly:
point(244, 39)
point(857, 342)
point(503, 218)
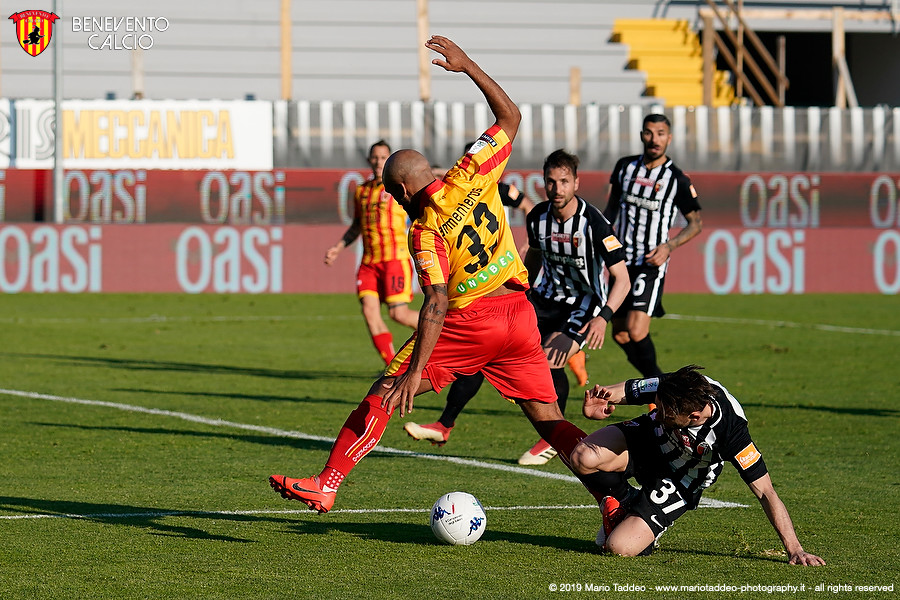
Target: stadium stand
point(354, 67)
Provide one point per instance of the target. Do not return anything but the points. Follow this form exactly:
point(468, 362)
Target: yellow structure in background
point(671, 55)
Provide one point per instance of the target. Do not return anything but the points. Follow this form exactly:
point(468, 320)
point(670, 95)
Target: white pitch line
point(285, 433)
point(302, 436)
point(279, 318)
point(346, 511)
point(231, 513)
point(790, 324)
point(177, 319)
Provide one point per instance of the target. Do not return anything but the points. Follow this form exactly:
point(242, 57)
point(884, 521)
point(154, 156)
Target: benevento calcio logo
point(34, 28)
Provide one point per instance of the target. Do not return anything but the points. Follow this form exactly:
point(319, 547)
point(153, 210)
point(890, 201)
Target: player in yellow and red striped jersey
point(460, 236)
point(385, 274)
point(475, 315)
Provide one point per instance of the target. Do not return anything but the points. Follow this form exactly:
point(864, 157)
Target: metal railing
point(737, 138)
point(741, 57)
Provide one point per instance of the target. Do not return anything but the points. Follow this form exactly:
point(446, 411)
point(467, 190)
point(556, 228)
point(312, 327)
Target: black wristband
point(641, 391)
point(607, 313)
point(348, 238)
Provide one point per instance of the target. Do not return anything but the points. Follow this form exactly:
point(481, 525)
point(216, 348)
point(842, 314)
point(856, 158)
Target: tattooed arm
point(431, 321)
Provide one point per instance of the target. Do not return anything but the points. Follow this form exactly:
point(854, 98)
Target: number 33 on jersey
point(461, 237)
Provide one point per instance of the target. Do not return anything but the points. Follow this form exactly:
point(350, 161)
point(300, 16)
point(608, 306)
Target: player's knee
point(638, 328)
point(583, 459)
point(617, 546)
point(397, 312)
point(622, 337)
point(627, 540)
point(368, 307)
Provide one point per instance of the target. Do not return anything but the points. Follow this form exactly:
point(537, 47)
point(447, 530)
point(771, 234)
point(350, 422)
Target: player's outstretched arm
point(349, 237)
point(455, 60)
point(600, 401)
point(781, 521)
point(525, 204)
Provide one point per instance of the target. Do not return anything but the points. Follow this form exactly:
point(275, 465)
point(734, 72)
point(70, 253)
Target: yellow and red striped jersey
point(461, 237)
point(382, 224)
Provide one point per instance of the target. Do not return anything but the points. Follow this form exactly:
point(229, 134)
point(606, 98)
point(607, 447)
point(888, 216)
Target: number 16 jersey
point(460, 236)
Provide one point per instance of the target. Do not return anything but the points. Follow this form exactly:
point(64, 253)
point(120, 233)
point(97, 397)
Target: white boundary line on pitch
point(347, 511)
point(278, 318)
point(317, 438)
point(181, 319)
point(790, 324)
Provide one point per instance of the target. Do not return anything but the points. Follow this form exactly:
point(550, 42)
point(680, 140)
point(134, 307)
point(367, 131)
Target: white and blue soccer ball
point(458, 518)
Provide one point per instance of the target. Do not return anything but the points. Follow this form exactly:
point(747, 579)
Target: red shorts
point(391, 281)
point(498, 336)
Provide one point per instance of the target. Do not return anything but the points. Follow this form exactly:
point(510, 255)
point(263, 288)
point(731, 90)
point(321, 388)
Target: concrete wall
point(342, 50)
point(364, 50)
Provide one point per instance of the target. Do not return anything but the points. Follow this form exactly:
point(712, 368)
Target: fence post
point(709, 66)
point(286, 50)
point(424, 63)
point(837, 51)
point(575, 86)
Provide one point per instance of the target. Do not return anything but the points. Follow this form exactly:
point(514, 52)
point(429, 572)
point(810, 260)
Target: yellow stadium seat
point(669, 52)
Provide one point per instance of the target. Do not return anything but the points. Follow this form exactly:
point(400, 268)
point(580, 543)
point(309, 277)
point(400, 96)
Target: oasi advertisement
point(289, 259)
point(277, 196)
point(266, 231)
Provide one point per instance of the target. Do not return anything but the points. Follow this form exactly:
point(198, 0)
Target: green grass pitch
point(137, 433)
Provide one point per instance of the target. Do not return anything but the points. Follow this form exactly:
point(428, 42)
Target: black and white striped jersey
point(695, 455)
point(574, 253)
point(642, 204)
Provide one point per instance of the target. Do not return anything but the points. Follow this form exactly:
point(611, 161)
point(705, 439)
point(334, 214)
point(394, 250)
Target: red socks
point(564, 437)
point(384, 343)
point(366, 424)
point(360, 433)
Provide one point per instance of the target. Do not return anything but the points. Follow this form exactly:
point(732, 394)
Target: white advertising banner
point(5, 133)
point(146, 134)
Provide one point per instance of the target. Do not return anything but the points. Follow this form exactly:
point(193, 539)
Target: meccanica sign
point(146, 134)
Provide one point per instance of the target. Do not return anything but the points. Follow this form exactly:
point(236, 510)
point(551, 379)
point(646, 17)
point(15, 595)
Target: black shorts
point(565, 318)
point(661, 501)
point(646, 291)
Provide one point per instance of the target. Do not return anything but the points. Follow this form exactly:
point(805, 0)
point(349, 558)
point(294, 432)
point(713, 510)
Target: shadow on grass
point(850, 411)
point(298, 443)
point(408, 533)
point(232, 396)
point(187, 367)
point(733, 556)
point(266, 440)
point(141, 517)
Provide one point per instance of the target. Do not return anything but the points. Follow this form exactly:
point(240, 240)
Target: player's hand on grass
point(596, 403)
point(455, 59)
point(806, 559)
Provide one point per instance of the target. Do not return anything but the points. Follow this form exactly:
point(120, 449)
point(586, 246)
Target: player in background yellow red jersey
point(475, 315)
point(385, 274)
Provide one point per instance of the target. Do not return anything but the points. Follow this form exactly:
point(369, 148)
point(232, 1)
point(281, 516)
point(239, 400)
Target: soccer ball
point(458, 518)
